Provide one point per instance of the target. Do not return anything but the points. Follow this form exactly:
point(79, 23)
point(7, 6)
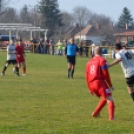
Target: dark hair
point(19, 40)
point(118, 46)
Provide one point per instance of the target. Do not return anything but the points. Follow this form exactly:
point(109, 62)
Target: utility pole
point(34, 16)
point(0, 6)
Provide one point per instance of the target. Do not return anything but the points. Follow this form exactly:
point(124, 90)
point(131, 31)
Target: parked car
point(6, 37)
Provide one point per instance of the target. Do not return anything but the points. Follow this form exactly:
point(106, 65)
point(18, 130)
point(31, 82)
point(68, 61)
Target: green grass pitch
point(46, 102)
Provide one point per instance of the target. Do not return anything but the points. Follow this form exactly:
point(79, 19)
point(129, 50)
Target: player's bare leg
point(24, 68)
point(4, 69)
point(69, 70)
point(19, 65)
point(72, 70)
point(131, 91)
point(17, 69)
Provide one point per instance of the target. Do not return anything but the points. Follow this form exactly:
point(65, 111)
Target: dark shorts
point(71, 59)
point(130, 81)
point(11, 62)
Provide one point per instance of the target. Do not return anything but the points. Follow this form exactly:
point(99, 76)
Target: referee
point(70, 51)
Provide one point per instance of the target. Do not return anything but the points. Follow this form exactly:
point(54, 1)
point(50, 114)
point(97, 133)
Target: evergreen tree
point(125, 18)
point(24, 14)
point(51, 16)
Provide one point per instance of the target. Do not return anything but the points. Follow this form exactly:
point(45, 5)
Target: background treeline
point(47, 14)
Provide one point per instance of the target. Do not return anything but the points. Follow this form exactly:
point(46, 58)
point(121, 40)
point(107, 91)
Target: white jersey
point(127, 62)
point(12, 56)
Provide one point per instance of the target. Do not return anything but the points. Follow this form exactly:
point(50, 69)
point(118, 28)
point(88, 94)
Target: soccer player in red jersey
point(99, 82)
point(20, 56)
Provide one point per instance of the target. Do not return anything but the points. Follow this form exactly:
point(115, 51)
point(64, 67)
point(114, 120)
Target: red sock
point(111, 108)
point(24, 70)
point(101, 104)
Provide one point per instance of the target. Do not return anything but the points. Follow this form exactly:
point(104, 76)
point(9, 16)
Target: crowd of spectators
point(49, 46)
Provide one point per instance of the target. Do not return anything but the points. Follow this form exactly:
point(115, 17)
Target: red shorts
point(20, 59)
point(100, 88)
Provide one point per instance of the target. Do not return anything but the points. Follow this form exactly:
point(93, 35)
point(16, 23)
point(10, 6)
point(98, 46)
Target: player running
point(11, 58)
point(20, 56)
point(99, 83)
point(125, 57)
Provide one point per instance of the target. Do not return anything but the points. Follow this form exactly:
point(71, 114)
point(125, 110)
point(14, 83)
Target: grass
point(46, 102)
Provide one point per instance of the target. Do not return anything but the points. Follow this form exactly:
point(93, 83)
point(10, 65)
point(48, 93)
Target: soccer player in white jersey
point(11, 58)
point(125, 57)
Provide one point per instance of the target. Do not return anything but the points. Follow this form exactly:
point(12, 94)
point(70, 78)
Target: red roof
point(91, 31)
point(127, 33)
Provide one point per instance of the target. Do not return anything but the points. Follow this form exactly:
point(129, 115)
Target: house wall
point(96, 39)
point(123, 38)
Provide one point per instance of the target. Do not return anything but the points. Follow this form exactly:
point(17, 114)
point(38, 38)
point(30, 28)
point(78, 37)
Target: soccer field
point(45, 101)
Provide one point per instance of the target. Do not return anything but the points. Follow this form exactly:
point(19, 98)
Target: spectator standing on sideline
point(99, 82)
point(81, 48)
point(86, 49)
point(11, 58)
point(125, 57)
point(42, 47)
point(70, 52)
point(60, 45)
point(52, 46)
point(63, 48)
point(39, 47)
point(92, 51)
point(20, 56)
point(47, 46)
point(132, 43)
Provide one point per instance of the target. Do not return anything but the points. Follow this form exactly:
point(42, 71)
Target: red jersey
point(96, 69)
point(20, 53)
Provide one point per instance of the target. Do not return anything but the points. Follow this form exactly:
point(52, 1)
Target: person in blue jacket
point(71, 52)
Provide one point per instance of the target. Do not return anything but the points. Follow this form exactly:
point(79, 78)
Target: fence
point(85, 51)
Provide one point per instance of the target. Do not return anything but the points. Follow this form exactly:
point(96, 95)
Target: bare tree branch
point(81, 15)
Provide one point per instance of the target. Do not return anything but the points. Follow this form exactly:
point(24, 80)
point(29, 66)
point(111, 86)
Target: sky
point(110, 8)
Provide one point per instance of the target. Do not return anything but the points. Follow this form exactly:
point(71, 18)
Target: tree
point(24, 14)
point(101, 19)
point(10, 16)
point(34, 16)
point(81, 15)
point(125, 18)
point(3, 3)
point(51, 16)
point(67, 20)
point(105, 25)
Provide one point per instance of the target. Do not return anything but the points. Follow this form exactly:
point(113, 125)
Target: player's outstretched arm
point(114, 62)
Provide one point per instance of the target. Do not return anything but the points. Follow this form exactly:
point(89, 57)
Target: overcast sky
point(111, 8)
